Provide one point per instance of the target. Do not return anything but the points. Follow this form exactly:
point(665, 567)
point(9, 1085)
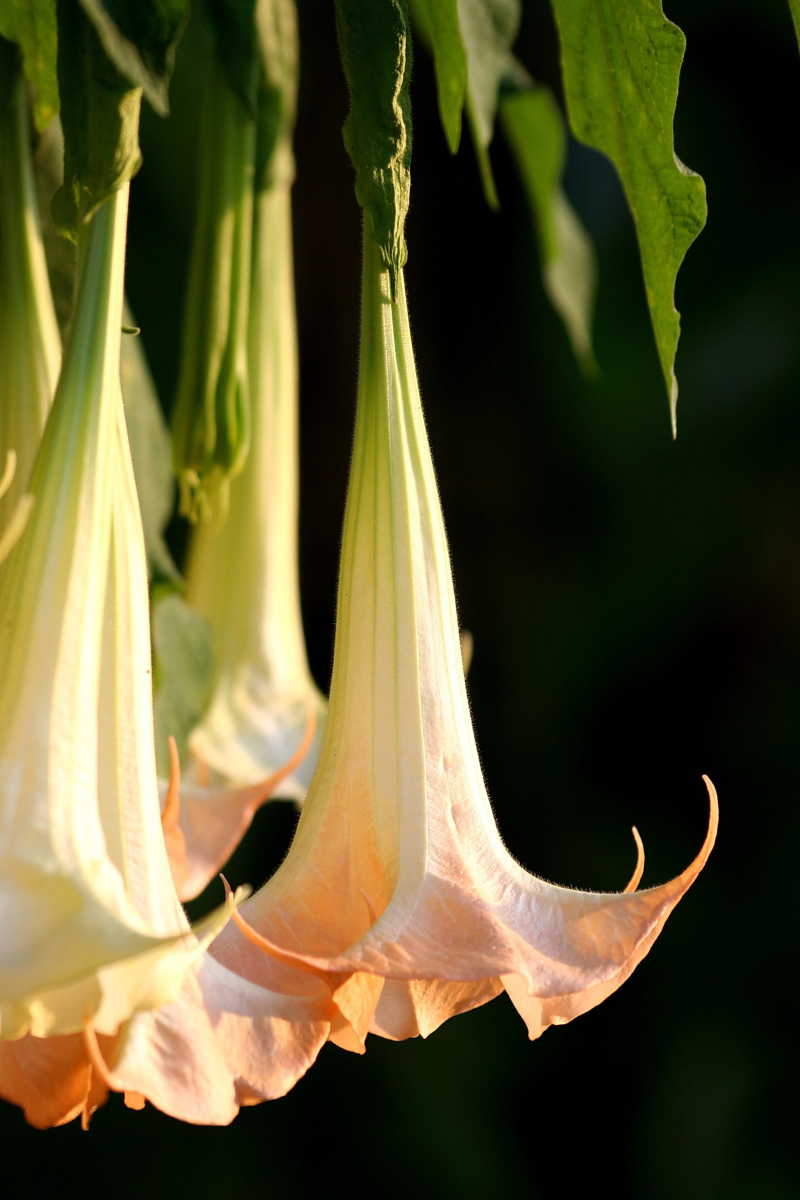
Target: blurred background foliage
point(636, 616)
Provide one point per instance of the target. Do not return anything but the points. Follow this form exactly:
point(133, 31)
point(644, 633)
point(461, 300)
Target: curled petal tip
point(234, 898)
point(638, 870)
point(713, 821)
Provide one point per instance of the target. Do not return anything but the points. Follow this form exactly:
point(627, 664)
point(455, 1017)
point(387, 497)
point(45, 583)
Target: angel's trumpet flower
point(30, 348)
point(261, 732)
point(397, 905)
point(397, 872)
point(93, 930)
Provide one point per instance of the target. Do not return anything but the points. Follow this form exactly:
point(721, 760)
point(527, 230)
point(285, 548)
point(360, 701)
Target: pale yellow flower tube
point(263, 727)
point(93, 930)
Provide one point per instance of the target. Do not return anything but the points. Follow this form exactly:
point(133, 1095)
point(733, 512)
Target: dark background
point(635, 609)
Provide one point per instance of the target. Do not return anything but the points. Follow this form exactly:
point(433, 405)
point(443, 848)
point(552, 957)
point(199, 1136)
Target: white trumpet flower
point(263, 726)
point(397, 884)
point(93, 929)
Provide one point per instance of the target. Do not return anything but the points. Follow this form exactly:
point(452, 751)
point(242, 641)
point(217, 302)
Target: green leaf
point(621, 63)
point(375, 49)
point(140, 39)
point(794, 9)
point(437, 21)
point(471, 42)
point(184, 665)
point(151, 450)
point(32, 25)
point(534, 127)
point(100, 118)
point(488, 30)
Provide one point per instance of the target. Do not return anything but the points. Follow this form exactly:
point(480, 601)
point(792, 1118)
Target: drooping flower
point(30, 347)
point(397, 872)
point(397, 906)
point(93, 930)
point(262, 730)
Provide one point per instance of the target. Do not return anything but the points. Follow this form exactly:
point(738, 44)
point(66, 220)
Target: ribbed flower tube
point(30, 347)
point(93, 929)
point(265, 711)
point(397, 881)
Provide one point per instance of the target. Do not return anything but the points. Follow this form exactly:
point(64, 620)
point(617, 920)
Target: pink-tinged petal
point(171, 1057)
point(224, 1042)
point(269, 1039)
point(496, 919)
point(204, 822)
point(557, 951)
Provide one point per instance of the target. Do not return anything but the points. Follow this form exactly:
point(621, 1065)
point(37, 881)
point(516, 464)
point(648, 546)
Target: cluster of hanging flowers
point(397, 906)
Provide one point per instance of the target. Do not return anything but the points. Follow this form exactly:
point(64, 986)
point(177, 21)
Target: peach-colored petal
point(52, 1079)
point(225, 1041)
point(558, 952)
point(269, 1038)
point(204, 822)
point(171, 1057)
point(417, 1007)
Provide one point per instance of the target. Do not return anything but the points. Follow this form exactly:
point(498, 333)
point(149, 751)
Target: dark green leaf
point(376, 54)
point(621, 64)
point(183, 671)
point(488, 30)
point(32, 25)
point(151, 451)
point(140, 36)
point(794, 9)
point(437, 21)
point(471, 42)
point(534, 128)
point(100, 118)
